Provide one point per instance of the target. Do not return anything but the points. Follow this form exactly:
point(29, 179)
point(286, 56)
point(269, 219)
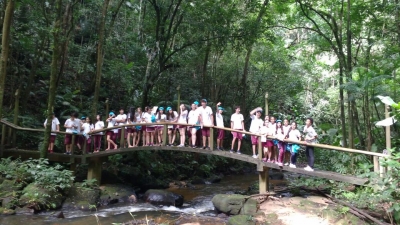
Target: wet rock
point(82, 198)
point(9, 202)
point(250, 207)
point(38, 198)
point(229, 204)
point(114, 193)
point(241, 220)
point(214, 179)
point(60, 215)
point(276, 175)
point(162, 197)
point(4, 211)
point(24, 211)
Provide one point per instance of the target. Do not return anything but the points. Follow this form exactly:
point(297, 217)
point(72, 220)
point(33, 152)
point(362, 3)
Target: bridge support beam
point(94, 169)
point(263, 179)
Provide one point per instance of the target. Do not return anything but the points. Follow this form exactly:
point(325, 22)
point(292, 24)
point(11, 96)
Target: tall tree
point(5, 46)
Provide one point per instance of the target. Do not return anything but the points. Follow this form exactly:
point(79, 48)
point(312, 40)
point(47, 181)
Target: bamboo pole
point(266, 103)
point(73, 144)
point(211, 139)
point(260, 148)
point(164, 135)
point(178, 89)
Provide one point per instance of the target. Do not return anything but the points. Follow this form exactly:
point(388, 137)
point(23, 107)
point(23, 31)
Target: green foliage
point(89, 184)
point(38, 171)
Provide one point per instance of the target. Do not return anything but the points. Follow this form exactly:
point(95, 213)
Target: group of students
point(280, 149)
point(198, 120)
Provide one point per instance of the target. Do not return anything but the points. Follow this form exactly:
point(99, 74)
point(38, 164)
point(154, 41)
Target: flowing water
point(197, 202)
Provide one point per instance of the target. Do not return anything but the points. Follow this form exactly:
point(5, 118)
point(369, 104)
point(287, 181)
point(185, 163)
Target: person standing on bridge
point(182, 118)
point(111, 133)
point(71, 125)
point(255, 127)
point(237, 123)
point(206, 118)
point(97, 136)
point(149, 117)
point(280, 135)
point(172, 117)
point(55, 126)
point(87, 127)
point(286, 128)
point(160, 117)
point(310, 138)
point(293, 134)
point(193, 120)
point(219, 119)
point(120, 121)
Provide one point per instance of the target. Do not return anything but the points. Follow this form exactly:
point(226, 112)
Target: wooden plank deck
point(60, 157)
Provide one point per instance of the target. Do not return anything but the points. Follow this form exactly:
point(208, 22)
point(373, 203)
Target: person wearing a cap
point(111, 133)
point(55, 126)
point(193, 120)
point(71, 127)
point(206, 118)
point(219, 119)
point(237, 123)
point(120, 120)
point(160, 116)
point(255, 127)
point(280, 135)
point(148, 117)
point(172, 117)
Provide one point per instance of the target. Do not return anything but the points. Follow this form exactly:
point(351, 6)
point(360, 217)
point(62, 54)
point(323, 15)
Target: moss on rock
point(241, 220)
point(38, 198)
point(4, 211)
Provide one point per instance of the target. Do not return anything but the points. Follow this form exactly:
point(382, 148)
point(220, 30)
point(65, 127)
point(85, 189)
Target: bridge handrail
point(324, 146)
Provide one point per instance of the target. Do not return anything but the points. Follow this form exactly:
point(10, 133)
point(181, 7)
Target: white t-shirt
point(87, 127)
point(286, 129)
point(183, 117)
point(147, 118)
point(256, 124)
point(272, 127)
point(206, 114)
point(69, 123)
point(278, 133)
point(193, 117)
point(310, 133)
point(111, 123)
point(121, 117)
point(54, 124)
point(99, 125)
point(237, 119)
point(173, 120)
point(219, 119)
point(162, 117)
point(294, 135)
point(265, 131)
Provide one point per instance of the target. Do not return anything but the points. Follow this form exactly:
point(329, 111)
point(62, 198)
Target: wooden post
point(16, 113)
point(382, 170)
point(263, 180)
point(84, 152)
point(260, 148)
point(3, 135)
point(376, 164)
point(266, 103)
point(211, 139)
point(179, 97)
point(73, 144)
point(122, 139)
point(94, 169)
point(164, 135)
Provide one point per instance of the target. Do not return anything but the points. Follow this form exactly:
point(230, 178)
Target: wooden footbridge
point(9, 148)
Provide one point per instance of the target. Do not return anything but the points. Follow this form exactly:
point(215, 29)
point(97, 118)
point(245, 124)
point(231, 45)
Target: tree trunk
point(99, 63)
point(53, 76)
point(204, 84)
point(5, 46)
point(349, 77)
point(342, 114)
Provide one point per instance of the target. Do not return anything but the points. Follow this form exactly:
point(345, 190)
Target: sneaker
point(181, 146)
point(254, 156)
point(280, 164)
point(286, 164)
point(308, 168)
point(231, 151)
point(264, 159)
point(238, 152)
point(193, 146)
point(208, 148)
point(292, 165)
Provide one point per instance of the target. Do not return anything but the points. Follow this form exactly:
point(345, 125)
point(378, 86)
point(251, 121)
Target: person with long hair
point(160, 117)
point(310, 138)
point(280, 135)
point(172, 117)
point(131, 131)
point(87, 127)
point(272, 122)
point(97, 136)
point(286, 128)
point(182, 118)
point(140, 129)
point(293, 134)
point(149, 118)
point(111, 133)
point(219, 120)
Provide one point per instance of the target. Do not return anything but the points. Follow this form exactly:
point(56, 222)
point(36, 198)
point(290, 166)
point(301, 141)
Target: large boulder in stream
point(115, 193)
point(82, 198)
point(163, 197)
point(38, 198)
point(234, 204)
